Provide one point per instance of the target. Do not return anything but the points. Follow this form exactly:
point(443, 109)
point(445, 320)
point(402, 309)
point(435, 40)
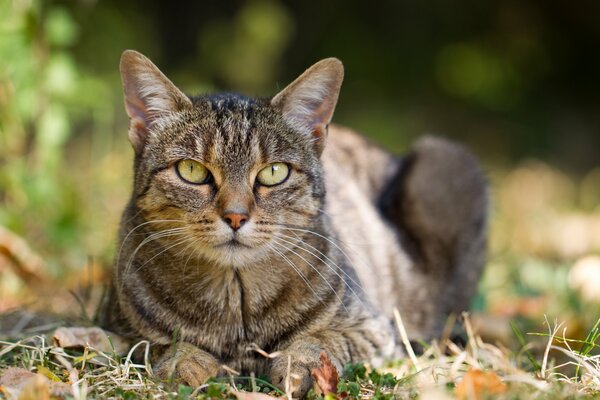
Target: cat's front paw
point(186, 364)
point(294, 378)
point(292, 372)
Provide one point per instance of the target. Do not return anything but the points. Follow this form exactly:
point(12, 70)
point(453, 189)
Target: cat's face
point(228, 175)
point(234, 175)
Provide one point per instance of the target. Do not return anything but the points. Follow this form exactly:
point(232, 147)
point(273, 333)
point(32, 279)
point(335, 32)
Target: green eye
point(273, 174)
point(192, 171)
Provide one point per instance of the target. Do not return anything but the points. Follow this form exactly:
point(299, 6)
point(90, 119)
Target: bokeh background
point(516, 81)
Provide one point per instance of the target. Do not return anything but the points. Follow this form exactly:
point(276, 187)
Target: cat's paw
point(186, 364)
point(296, 379)
point(292, 372)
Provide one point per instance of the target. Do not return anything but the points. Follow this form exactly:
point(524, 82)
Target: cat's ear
point(149, 94)
point(308, 103)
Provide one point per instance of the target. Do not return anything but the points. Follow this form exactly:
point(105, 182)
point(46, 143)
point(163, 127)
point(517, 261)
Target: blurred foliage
point(513, 80)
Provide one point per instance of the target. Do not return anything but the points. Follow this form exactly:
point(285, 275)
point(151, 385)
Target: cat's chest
point(225, 314)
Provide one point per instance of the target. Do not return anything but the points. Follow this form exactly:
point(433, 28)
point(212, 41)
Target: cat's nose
point(235, 219)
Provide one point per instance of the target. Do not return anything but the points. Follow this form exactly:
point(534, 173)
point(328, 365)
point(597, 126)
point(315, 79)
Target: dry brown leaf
point(476, 384)
point(36, 388)
point(326, 376)
point(15, 377)
point(254, 396)
point(97, 338)
point(19, 383)
point(25, 263)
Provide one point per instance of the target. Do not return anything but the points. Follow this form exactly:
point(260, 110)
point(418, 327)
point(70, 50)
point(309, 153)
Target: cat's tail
point(439, 202)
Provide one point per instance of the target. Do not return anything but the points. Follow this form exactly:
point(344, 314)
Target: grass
point(444, 370)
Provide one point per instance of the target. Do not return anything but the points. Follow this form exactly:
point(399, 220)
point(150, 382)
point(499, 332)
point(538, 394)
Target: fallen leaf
point(36, 388)
point(15, 377)
point(476, 384)
point(253, 396)
point(96, 338)
point(25, 385)
point(326, 376)
point(25, 263)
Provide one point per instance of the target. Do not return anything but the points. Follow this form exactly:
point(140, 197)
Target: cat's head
point(229, 175)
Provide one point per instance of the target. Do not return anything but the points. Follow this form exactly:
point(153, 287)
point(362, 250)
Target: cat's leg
point(185, 363)
point(438, 201)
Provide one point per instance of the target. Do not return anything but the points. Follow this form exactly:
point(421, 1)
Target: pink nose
point(235, 220)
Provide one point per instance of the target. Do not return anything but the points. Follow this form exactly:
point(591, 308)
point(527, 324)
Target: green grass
point(548, 365)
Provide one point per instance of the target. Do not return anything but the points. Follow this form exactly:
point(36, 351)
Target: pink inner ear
point(136, 109)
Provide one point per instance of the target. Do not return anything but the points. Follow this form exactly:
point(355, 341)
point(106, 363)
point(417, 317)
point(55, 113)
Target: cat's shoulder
point(353, 156)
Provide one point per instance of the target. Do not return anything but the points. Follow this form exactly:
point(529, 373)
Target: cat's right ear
point(148, 93)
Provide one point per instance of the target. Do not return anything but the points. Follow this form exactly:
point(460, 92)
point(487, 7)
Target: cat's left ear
point(308, 103)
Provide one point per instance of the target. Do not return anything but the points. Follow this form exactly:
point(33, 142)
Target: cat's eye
point(192, 171)
point(273, 174)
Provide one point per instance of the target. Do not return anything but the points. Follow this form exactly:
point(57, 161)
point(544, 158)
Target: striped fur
point(323, 258)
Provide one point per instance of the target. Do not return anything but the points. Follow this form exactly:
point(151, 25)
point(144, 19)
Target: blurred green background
point(517, 81)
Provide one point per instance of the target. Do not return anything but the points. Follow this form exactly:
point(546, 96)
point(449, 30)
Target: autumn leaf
point(25, 385)
point(326, 376)
point(94, 337)
point(254, 396)
point(476, 384)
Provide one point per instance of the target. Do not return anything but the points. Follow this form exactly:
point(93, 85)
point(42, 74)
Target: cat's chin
point(236, 255)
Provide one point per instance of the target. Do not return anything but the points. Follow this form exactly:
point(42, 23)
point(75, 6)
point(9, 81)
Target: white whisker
point(300, 274)
point(333, 267)
point(315, 269)
point(139, 226)
point(364, 263)
point(177, 243)
point(154, 236)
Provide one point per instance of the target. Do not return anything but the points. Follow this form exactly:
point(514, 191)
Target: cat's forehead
point(231, 129)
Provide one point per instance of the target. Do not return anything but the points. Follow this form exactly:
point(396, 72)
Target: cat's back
point(352, 161)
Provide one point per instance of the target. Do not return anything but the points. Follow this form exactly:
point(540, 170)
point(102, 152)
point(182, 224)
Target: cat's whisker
point(177, 243)
point(365, 264)
point(335, 268)
point(295, 268)
point(315, 269)
point(156, 221)
point(192, 252)
point(150, 238)
point(299, 240)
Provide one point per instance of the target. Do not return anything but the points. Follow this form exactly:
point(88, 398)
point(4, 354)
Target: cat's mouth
point(232, 244)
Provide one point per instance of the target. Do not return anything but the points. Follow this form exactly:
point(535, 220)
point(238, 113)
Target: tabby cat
point(255, 224)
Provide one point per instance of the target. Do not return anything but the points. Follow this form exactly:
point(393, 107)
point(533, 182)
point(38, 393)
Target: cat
point(255, 223)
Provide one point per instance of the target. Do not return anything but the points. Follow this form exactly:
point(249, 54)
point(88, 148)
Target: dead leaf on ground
point(254, 396)
point(96, 338)
point(476, 384)
point(326, 376)
point(26, 385)
point(19, 256)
